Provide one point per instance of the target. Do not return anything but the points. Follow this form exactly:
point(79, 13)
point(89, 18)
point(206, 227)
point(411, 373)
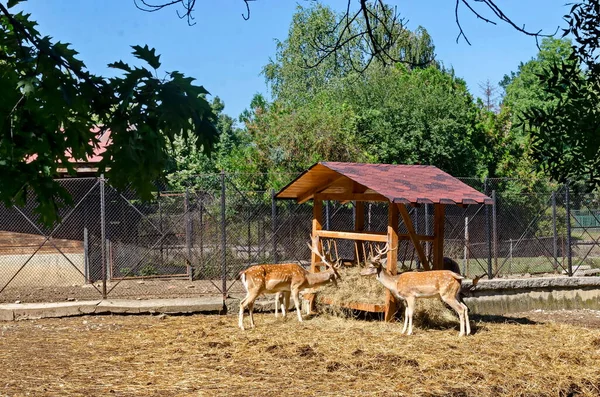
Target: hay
point(429, 313)
point(325, 356)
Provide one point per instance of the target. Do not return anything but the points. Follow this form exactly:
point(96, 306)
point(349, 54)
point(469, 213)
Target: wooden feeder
point(398, 185)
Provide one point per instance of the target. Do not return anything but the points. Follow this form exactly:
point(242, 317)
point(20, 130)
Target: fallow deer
point(409, 286)
point(289, 277)
point(282, 298)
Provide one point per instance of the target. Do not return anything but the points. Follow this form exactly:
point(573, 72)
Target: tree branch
point(375, 15)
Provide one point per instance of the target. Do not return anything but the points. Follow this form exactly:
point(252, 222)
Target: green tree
point(566, 130)
point(386, 114)
point(50, 104)
point(301, 68)
point(190, 167)
point(524, 91)
point(287, 140)
point(424, 116)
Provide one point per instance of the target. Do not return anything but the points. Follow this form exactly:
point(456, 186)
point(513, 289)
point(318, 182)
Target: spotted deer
point(409, 286)
point(286, 278)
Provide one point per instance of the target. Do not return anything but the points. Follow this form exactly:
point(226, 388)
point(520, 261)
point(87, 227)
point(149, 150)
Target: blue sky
point(225, 53)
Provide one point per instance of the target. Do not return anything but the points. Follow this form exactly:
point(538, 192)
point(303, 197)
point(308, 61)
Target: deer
point(282, 298)
point(288, 278)
point(409, 286)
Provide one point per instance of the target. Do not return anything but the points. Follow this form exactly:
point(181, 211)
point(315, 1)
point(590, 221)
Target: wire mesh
point(194, 241)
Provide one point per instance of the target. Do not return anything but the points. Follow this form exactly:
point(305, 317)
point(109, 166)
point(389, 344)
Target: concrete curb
point(30, 311)
point(534, 282)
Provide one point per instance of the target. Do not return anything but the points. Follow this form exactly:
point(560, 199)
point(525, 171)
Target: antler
point(381, 252)
point(315, 249)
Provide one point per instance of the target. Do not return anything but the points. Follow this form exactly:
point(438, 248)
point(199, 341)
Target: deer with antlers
point(409, 286)
point(289, 278)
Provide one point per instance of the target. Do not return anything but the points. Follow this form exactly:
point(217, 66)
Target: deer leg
point(410, 310)
point(467, 323)
point(405, 319)
point(296, 295)
point(459, 309)
point(251, 310)
point(286, 303)
point(248, 302)
point(241, 316)
point(278, 304)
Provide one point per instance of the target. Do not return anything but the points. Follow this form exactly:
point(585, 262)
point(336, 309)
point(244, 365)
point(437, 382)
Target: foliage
point(565, 134)
point(331, 113)
point(301, 68)
point(545, 225)
point(52, 110)
point(525, 91)
point(424, 116)
point(286, 141)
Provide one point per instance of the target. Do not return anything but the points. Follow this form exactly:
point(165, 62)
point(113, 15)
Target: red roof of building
point(408, 184)
point(96, 157)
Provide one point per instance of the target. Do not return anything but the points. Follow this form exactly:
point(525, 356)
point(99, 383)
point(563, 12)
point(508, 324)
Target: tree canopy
point(390, 114)
point(53, 109)
point(565, 131)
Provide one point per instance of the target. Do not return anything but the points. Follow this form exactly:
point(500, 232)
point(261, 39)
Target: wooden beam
point(439, 216)
point(372, 236)
point(366, 307)
point(308, 195)
point(345, 197)
point(413, 236)
point(380, 237)
point(392, 258)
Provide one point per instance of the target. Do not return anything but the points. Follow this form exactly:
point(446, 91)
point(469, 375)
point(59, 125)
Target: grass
point(326, 356)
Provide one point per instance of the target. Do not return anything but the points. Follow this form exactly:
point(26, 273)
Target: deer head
point(375, 262)
point(331, 268)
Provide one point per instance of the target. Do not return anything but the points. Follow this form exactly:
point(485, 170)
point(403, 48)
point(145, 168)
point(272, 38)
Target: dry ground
point(207, 355)
point(132, 289)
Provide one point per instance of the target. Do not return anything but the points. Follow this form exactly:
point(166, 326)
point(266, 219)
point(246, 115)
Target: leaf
point(147, 54)
point(27, 86)
point(12, 3)
point(120, 65)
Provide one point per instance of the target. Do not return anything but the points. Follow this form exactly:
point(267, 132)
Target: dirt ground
point(527, 354)
point(143, 289)
point(582, 318)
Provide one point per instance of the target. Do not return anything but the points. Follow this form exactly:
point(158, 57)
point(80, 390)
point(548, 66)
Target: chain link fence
point(194, 242)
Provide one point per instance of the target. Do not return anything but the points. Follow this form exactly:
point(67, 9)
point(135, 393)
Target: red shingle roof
point(408, 184)
point(96, 157)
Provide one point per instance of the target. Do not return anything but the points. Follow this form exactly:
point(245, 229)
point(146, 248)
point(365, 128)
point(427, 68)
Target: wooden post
point(359, 226)
point(392, 258)
point(317, 224)
point(413, 235)
point(439, 216)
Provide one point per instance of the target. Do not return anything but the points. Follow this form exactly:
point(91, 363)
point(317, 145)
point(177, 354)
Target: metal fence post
point(86, 255)
point(427, 233)
point(554, 233)
point(569, 247)
point(466, 247)
point(188, 234)
point(494, 231)
point(223, 239)
point(489, 231)
point(274, 225)
point(103, 234)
